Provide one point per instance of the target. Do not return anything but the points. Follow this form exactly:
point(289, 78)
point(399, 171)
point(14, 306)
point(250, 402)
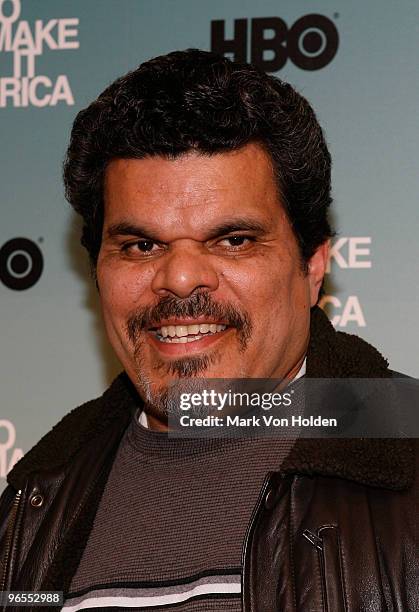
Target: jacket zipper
point(9, 538)
point(326, 541)
point(249, 530)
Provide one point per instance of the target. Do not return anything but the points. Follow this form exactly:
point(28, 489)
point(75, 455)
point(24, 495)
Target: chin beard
point(163, 402)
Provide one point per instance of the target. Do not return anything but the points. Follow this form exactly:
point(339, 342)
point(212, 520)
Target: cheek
point(121, 289)
point(264, 286)
point(273, 295)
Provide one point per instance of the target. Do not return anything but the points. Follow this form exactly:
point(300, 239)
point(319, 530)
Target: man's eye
point(144, 246)
point(237, 241)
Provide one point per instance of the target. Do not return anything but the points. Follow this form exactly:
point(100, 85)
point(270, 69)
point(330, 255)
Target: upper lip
point(187, 321)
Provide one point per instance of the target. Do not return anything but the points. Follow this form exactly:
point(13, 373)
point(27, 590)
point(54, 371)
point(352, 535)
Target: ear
point(316, 270)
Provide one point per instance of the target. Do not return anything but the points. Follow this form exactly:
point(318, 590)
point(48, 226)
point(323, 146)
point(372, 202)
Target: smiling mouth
point(183, 334)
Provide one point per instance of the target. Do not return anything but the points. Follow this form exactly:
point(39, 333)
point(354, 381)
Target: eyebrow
point(226, 227)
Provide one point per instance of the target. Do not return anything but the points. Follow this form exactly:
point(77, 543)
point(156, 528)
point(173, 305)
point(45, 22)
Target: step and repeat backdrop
point(357, 64)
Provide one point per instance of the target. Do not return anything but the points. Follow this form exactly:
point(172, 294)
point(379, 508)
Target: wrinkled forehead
point(193, 188)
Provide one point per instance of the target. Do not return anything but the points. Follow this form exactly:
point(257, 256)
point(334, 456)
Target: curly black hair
point(197, 100)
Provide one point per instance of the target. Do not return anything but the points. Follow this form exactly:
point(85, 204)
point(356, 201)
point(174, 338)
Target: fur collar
point(387, 463)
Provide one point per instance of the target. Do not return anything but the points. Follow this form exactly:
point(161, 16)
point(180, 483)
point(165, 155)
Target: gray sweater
point(183, 506)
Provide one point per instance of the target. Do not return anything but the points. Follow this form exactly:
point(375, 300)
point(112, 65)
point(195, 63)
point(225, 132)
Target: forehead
point(193, 185)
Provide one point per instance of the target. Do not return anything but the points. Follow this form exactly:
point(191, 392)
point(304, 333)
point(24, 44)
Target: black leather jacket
point(336, 529)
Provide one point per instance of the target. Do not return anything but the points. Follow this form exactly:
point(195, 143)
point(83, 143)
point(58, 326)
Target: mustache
point(194, 306)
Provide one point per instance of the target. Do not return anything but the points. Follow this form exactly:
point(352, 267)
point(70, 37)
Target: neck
point(156, 424)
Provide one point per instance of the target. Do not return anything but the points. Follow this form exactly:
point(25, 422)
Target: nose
point(186, 268)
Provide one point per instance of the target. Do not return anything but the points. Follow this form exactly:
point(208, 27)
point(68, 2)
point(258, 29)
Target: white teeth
point(182, 340)
point(181, 331)
point(188, 333)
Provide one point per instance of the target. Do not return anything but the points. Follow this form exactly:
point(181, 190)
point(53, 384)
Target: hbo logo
point(311, 43)
point(21, 264)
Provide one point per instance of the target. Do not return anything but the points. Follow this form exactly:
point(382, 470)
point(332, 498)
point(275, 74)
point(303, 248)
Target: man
point(204, 186)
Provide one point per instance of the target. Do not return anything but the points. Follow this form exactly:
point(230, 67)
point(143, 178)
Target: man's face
point(199, 271)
